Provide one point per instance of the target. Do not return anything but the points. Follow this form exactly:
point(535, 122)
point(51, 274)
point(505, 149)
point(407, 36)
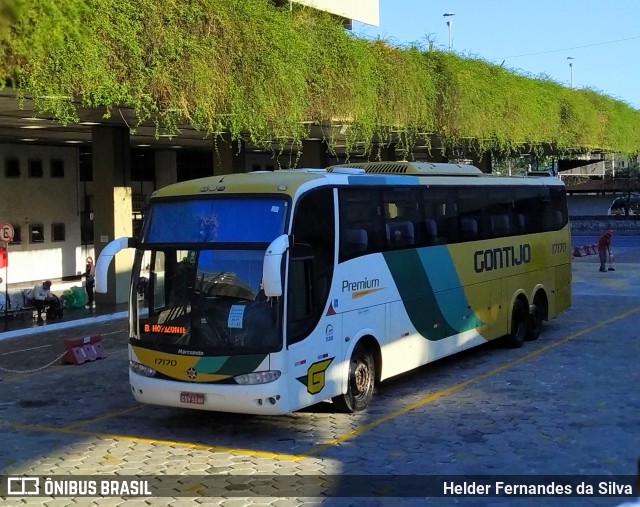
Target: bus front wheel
point(519, 317)
point(362, 377)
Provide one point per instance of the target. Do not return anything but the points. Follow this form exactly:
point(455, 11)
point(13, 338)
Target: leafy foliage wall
point(263, 72)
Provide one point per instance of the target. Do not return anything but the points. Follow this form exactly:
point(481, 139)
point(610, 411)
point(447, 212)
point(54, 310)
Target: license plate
point(196, 398)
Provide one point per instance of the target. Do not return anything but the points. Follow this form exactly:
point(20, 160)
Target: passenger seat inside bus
point(468, 228)
point(356, 241)
point(447, 221)
point(431, 231)
point(400, 233)
point(500, 225)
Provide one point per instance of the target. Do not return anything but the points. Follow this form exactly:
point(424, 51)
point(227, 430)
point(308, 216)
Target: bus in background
point(269, 292)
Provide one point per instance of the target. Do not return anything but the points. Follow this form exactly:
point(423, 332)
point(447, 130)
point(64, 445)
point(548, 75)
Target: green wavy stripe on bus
point(211, 364)
point(446, 284)
point(421, 276)
point(234, 365)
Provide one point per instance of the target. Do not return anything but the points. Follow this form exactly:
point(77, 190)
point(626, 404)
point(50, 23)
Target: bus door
point(313, 330)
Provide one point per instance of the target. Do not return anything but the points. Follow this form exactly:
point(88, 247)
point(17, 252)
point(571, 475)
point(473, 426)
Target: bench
point(18, 304)
point(15, 302)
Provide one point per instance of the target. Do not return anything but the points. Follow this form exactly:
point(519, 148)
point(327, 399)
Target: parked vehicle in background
point(620, 203)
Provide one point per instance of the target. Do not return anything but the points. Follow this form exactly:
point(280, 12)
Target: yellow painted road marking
point(72, 429)
point(25, 350)
point(170, 443)
point(456, 387)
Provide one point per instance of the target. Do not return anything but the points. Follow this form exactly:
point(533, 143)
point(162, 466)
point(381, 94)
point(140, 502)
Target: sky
point(534, 37)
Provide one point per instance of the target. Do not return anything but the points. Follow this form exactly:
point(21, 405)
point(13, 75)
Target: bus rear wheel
point(361, 381)
point(534, 323)
point(519, 317)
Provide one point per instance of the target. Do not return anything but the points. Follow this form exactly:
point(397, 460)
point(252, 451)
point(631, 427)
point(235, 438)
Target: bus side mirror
point(104, 260)
point(272, 266)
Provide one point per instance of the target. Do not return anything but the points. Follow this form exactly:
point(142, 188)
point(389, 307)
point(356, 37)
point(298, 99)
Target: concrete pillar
point(228, 155)
point(112, 205)
point(314, 154)
point(166, 167)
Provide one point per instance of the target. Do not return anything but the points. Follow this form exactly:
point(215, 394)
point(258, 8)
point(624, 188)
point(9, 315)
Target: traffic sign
point(6, 233)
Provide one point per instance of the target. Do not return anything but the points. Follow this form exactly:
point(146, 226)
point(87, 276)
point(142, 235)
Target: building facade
point(67, 191)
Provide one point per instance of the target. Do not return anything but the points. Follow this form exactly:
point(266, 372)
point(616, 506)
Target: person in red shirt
point(604, 248)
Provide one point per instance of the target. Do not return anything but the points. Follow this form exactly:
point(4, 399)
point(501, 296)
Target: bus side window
point(550, 220)
point(403, 214)
point(354, 242)
point(311, 262)
point(300, 298)
point(521, 223)
point(431, 232)
point(433, 227)
point(558, 203)
point(558, 219)
point(447, 219)
point(468, 228)
point(400, 233)
point(500, 225)
point(528, 206)
point(360, 210)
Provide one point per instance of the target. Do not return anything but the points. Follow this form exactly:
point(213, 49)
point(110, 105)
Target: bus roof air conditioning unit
point(410, 168)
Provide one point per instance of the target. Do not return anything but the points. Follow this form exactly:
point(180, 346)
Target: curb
point(62, 325)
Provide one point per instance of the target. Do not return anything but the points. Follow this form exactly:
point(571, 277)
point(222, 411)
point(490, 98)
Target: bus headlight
point(258, 377)
point(141, 369)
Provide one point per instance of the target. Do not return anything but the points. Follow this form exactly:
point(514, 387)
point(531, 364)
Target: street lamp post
point(571, 70)
point(449, 22)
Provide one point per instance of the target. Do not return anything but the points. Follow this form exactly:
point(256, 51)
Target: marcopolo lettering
point(190, 352)
point(348, 286)
point(502, 257)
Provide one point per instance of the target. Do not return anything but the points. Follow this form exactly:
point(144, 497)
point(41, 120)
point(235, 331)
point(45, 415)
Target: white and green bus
point(267, 292)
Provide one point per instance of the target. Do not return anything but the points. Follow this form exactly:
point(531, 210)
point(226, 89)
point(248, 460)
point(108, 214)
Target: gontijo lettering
point(502, 257)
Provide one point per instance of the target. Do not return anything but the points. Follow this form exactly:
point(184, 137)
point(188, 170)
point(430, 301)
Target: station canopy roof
point(601, 186)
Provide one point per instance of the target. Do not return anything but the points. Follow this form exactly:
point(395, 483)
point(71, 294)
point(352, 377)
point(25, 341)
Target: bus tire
point(518, 333)
point(361, 381)
point(534, 322)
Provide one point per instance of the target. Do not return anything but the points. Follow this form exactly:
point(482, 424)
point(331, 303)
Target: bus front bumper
point(268, 399)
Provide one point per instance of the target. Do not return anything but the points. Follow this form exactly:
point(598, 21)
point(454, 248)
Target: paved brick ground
point(565, 404)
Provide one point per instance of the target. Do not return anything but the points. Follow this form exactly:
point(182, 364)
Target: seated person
point(41, 296)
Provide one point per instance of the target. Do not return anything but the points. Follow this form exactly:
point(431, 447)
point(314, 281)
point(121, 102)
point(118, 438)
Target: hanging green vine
point(263, 72)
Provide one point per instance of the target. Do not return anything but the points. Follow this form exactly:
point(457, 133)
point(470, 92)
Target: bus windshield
point(199, 272)
point(206, 300)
